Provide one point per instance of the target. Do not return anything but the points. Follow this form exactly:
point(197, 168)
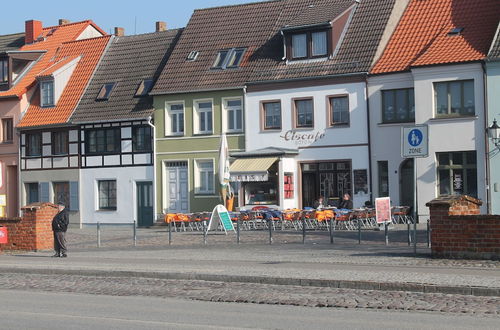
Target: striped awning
point(251, 169)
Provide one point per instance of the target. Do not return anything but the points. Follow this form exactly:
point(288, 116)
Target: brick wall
point(459, 231)
point(31, 232)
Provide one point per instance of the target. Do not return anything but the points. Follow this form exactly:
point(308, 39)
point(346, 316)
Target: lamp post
point(494, 133)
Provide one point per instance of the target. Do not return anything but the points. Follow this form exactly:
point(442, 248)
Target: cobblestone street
point(255, 293)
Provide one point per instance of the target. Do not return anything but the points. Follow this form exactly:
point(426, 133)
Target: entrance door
point(177, 183)
point(406, 183)
point(145, 215)
point(309, 194)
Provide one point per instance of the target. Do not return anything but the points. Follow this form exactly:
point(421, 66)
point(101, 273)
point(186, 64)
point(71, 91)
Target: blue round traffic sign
point(415, 137)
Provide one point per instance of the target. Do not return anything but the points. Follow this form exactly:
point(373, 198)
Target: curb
point(339, 284)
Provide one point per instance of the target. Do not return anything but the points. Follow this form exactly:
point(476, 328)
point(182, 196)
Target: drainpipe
point(369, 140)
point(153, 127)
point(486, 141)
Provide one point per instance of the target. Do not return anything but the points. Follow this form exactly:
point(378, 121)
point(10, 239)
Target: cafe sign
point(249, 177)
point(302, 138)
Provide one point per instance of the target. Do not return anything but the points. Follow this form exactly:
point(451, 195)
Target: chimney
point(63, 21)
point(161, 26)
point(33, 30)
point(119, 31)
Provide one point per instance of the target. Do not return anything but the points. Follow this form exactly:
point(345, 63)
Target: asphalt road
point(44, 310)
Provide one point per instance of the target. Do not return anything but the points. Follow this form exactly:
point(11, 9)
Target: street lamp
point(494, 133)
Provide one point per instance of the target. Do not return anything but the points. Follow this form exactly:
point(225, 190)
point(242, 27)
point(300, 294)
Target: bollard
point(333, 232)
point(205, 232)
point(386, 234)
point(409, 233)
point(269, 224)
point(135, 234)
point(238, 229)
point(332, 223)
point(415, 236)
point(359, 231)
point(428, 233)
point(304, 230)
point(98, 234)
point(169, 232)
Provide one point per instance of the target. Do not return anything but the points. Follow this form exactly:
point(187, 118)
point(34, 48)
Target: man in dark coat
point(59, 226)
point(346, 202)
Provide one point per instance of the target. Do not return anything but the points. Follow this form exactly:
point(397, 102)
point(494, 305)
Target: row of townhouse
point(311, 94)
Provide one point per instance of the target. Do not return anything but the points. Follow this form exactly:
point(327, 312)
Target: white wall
point(126, 178)
point(325, 143)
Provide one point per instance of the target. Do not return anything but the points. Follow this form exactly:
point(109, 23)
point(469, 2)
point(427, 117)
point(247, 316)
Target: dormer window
point(229, 58)
point(47, 93)
point(105, 92)
point(144, 88)
point(192, 56)
point(307, 44)
point(4, 71)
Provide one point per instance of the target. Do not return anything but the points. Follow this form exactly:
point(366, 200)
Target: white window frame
point(50, 102)
point(168, 118)
point(197, 114)
point(225, 115)
point(200, 174)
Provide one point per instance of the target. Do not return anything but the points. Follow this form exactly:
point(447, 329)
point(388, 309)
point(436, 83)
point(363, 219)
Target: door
point(309, 189)
point(177, 193)
point(145, 216)
point(407, 183)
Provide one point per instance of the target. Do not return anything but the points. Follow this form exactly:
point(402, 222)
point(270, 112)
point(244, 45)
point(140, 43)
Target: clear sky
point(135, 16)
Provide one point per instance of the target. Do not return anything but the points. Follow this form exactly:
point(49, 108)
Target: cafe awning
point(251, 169)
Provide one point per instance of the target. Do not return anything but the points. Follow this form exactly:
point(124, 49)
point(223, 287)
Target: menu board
point(360, 181)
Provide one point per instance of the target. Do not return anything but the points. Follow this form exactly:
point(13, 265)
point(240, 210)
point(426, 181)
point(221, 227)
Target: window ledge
point(106, 210)
point(203, 134)
point(339, 126)
point(304, 128)
point(174, 135)
point(455, 118)
point(7, 143)
point(274, 130)
point(400, 123)
point(305, 60)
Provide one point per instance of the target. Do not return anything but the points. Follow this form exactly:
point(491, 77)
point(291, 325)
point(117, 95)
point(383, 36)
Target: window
point(192, 56)
point(7, 130)
point(310, 44)
point(383, 178)
point(107, 194)
point(234, 115)
point(454, 98)
point(398, 105)
point(205, 177)
point(141, 138)
point(33, 144)
point(61, 193)
point(272, 115)
point(32, 194)
point(4, 71)
point(60, 143)
point(229, 58)
point(144, 88)
point(204, 114)
point(47, 91)
point(339, 110)
point(457, 173)
point(105, 92)
point(304, 114)
point(106, 140)
point(174, 119)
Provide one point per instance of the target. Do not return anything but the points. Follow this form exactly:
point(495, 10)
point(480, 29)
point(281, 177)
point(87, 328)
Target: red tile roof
point(54, 37)
point(91, 51)
point(56, 66)
point(421, 37)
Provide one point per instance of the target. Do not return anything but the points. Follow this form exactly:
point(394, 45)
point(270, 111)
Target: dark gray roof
point(494, 53)
point(128, 61)
point(11, 42)
point(356, 52)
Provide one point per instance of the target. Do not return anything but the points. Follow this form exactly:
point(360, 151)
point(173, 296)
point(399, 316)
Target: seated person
point(346, 202)
point(319, 203)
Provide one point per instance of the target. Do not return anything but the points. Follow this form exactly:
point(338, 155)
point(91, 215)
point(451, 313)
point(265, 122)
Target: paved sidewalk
point(345, 264)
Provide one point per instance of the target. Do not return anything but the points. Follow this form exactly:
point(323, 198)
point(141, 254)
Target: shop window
point(398, 105)
point(457, 173)
point(454, 98)
point(383, 178)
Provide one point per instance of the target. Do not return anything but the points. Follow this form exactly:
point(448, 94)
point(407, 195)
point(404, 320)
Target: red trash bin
point(3, 235)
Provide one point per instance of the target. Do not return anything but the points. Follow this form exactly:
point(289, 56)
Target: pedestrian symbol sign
point(414, 141)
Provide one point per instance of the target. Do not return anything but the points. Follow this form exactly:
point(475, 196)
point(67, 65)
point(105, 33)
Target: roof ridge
point(86, 39)
point(11, 34)
point(151, 33)
point(68, 24)
point(239, 5)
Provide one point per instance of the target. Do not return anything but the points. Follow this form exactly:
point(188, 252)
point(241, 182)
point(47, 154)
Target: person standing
point(60, 224)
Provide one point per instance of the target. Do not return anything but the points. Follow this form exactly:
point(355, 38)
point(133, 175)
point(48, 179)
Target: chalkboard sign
point(360, 181)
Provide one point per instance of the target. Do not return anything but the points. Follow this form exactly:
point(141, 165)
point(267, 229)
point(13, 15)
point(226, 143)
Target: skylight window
point(144, 87)
point(192, 56)
point(229, 58)
point(455, 31)
point(105, 91)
